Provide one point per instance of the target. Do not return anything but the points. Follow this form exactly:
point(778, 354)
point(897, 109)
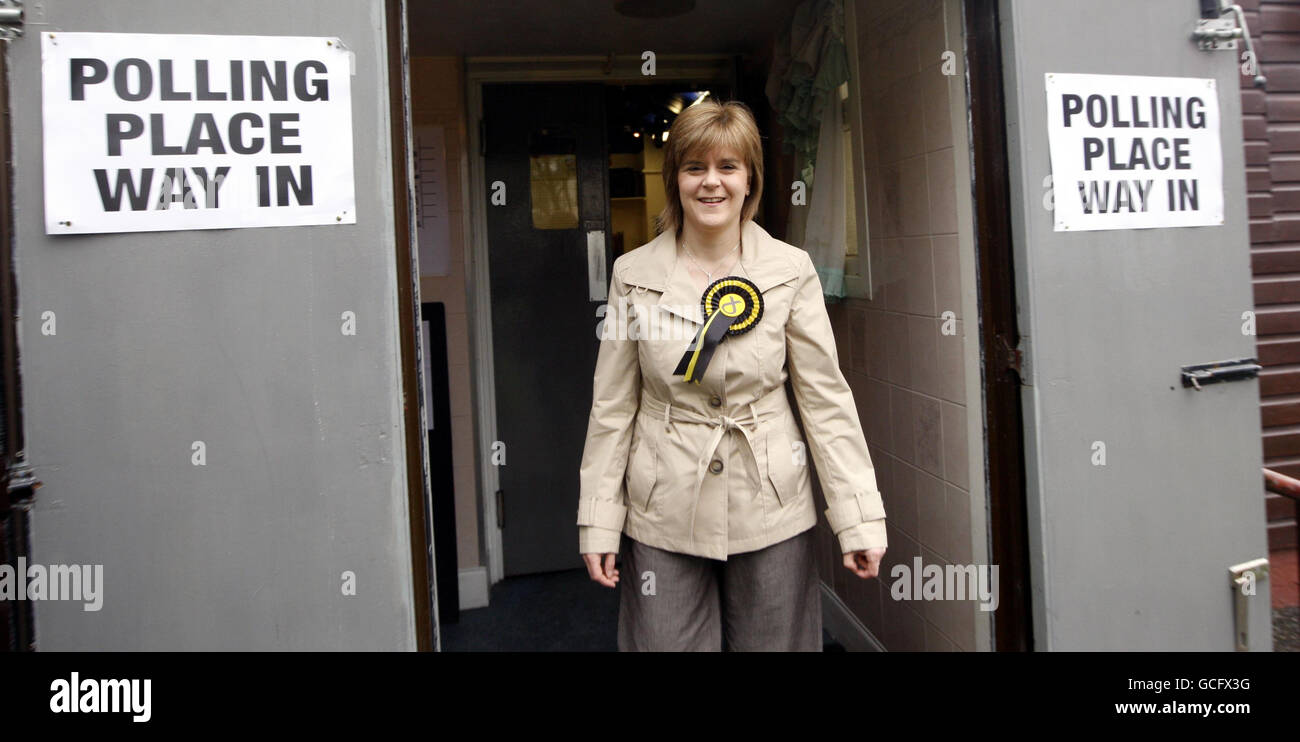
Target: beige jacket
point(720, 468)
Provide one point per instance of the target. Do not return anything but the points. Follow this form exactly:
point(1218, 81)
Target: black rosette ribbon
point(732, 306)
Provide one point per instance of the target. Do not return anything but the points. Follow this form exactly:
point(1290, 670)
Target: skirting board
point(473, 585)
point(844, 627)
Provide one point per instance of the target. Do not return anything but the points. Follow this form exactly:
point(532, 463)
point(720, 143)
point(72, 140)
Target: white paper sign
point(148, 132)
point(1131, 152)
point(433, 228)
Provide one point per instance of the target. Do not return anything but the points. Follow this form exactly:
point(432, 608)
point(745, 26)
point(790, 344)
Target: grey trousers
point(765, 600)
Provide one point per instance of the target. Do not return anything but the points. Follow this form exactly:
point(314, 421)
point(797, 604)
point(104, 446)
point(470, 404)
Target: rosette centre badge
point(732, 306)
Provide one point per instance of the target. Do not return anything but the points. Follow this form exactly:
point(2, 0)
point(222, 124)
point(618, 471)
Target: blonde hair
point(709, 126)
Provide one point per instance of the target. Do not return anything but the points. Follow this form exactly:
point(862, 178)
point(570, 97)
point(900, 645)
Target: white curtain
point(809, 64)
point(825, 233)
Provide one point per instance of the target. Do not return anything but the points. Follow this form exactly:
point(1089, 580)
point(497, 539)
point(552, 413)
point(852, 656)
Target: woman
point(694, 462)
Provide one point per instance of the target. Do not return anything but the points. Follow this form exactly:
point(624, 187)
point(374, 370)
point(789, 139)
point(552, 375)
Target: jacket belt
point(770, 405)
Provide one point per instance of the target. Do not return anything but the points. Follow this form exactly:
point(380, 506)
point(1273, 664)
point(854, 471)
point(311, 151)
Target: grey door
point(232, 338)
point(543, 322)
point(1133, 551)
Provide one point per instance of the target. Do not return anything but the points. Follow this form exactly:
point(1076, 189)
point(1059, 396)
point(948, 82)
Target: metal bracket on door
point(1244, 579)
point(596, 280)
point(11, 19)
point(1216, 33)
point(1220, 371)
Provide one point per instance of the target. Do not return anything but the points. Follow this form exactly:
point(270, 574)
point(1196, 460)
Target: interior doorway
point(918, 389)
point(581, 161)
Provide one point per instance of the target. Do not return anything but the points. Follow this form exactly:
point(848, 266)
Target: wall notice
point(433, 218)
point(150, 132)
point(1132, 152)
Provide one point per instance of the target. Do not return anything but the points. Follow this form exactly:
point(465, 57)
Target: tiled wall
point(910, 380)
point(437, 99)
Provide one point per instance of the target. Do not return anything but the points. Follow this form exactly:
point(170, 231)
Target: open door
point(1144, 488)
point(284, 347)
point(550, 259)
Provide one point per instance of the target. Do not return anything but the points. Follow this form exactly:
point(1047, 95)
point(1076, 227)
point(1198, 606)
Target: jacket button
point(715, 466)
point(715, 401)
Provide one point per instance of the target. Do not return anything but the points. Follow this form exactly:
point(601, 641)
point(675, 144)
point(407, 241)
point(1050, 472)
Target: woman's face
point(712, 187)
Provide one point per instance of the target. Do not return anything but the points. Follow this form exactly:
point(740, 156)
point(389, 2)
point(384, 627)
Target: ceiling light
point(703, 94)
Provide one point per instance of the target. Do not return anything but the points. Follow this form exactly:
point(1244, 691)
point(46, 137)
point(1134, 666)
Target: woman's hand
point(864, 564)
point(607, 576)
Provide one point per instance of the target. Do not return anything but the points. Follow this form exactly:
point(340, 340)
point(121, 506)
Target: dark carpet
point(551, 612)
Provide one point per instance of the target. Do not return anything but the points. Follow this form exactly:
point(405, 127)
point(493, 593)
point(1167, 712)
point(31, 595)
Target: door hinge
point(501, 509)
point(1011, 358)
point(11, 19)
point(22, 483)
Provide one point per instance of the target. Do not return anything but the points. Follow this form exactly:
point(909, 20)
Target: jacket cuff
point(596, 540)
point(863, 536)
point(850, 511)
point(601, 513)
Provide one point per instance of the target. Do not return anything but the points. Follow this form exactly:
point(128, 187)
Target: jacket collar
point(761, 260)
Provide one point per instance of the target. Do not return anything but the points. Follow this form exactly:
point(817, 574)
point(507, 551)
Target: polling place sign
point(1133, 152)
point(150, 132)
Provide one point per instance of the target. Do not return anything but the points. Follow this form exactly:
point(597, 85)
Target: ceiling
point(568, 27)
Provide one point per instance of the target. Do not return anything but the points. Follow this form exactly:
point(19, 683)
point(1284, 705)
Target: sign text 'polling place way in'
point(149, 132)
point(1133, 152)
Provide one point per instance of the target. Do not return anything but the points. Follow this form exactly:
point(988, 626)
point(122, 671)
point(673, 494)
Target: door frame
point(480, 71)
point(999, 335)
point(419, 499)
point(17, 485)
point(1004, 454)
